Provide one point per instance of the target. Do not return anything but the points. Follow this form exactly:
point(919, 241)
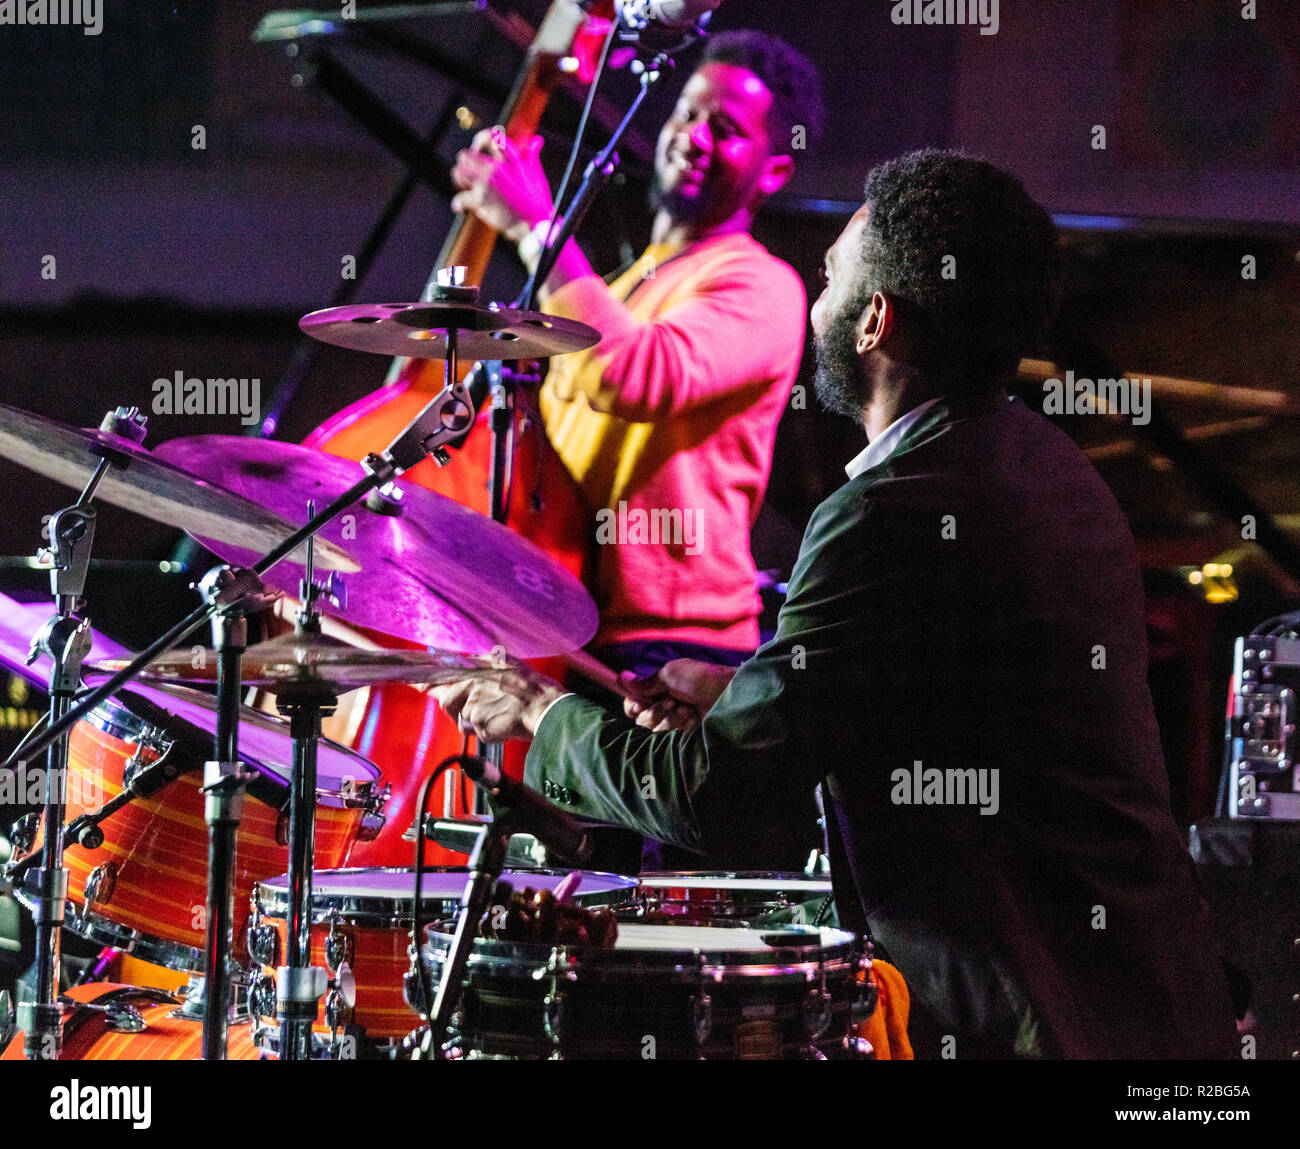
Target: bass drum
point(399, 728)
point(112, 1022)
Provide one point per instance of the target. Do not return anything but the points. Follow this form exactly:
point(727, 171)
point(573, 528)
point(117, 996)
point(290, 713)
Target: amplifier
point(1263, 782)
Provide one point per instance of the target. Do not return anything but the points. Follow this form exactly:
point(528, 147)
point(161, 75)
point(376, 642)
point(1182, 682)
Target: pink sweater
point(668, 426)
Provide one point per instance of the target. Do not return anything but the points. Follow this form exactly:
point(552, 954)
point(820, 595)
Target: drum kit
point(289, 953)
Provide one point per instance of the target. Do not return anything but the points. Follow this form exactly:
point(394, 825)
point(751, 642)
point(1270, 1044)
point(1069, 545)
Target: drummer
point(964, 646)
point(668, 425)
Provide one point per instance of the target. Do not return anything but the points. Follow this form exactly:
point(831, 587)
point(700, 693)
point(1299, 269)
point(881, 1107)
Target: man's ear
point(876, 324)
point(776, 174)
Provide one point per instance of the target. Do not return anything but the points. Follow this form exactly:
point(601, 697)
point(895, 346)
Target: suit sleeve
point(736, 333)
point(767, 742)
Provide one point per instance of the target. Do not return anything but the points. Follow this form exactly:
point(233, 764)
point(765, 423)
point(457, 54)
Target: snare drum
point(754, 899)
point(364, 917)
point(144, 890)
point(664, 992)
point(112, 1022)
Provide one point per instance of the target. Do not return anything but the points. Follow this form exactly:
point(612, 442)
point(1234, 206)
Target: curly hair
point(969, 256)
point(790, 76)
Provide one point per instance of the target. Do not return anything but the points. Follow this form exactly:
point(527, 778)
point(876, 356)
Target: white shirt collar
point(884, 444)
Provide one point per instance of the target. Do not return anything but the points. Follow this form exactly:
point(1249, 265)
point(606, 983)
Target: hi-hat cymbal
point(432, 571)
point(418, 330)
point(292, 658)
point(140, 481)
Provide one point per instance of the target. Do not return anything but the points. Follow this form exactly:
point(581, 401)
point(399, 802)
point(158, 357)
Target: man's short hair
point(788, 74)
point(969, 256)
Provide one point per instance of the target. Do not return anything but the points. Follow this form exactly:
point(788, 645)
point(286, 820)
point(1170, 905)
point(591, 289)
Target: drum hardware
point(485, 865)
point(66, 639)
point(224, 780)
point(460, 834)
point(673, 991)
point(1261, 779)
point(147, 771)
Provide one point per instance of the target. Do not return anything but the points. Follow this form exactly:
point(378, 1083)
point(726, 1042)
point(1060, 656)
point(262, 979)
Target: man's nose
point(700, 136)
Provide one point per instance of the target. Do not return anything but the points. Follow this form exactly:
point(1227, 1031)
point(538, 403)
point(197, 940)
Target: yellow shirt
point(668, 425)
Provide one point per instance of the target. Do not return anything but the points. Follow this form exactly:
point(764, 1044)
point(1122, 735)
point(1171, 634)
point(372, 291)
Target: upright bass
point(400, 728)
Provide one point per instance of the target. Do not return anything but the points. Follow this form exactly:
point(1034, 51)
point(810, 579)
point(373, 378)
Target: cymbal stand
point(299, 984)
point(66, 639)
point(224, 779)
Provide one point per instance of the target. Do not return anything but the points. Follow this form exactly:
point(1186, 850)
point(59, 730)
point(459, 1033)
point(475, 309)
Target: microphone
point(674, 16)
point(530, 812)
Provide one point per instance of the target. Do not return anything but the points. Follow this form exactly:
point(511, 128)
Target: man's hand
point(503, 186)
point(502, 706)
point(679, 695)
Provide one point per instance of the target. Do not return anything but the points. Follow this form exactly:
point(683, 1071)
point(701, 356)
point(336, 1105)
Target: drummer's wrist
point(541, 703)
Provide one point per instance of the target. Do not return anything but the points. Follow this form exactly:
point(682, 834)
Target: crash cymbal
point(418, 330)
point(140, 481)
point(432, 571)
point(313, 657)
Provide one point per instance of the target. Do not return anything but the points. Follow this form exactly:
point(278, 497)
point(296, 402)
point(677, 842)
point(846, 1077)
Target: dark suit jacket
point(972, 603)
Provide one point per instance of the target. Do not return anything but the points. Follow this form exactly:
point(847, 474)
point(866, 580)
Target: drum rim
point(160, 951)
point(568, 961)
point(798, 881)
point(395, 911)
point(114, 717)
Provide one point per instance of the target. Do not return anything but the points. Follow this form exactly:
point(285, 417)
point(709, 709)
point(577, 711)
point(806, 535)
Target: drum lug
point(338, 1011)
point(553, 1014)
point(559, 968)
point(413, 990)
point(339, 946)
point(816, 1012)
point(100, 884)
point(125, 1018)
point(856, 1049)
point(261, 996)
point(264, 944)
point(23, 833)
point(702, 1015)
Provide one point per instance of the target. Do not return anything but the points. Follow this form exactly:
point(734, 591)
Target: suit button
point(548, 788)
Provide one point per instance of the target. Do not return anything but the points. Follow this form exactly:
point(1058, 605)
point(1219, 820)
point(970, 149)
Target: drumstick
point(596, 671)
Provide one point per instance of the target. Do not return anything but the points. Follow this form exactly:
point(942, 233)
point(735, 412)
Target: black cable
point(426, 788)
point(528, 295)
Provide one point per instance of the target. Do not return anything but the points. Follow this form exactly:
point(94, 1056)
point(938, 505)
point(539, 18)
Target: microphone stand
point(501, 387)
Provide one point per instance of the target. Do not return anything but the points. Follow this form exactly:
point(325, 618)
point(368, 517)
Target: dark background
point(170, 258)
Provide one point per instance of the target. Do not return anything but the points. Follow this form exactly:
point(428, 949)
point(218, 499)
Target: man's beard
point(683, 210)
point(839, 369)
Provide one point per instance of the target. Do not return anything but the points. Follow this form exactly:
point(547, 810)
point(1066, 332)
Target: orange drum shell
point(158, 846)
point(167, 1038)
point(379, 962)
